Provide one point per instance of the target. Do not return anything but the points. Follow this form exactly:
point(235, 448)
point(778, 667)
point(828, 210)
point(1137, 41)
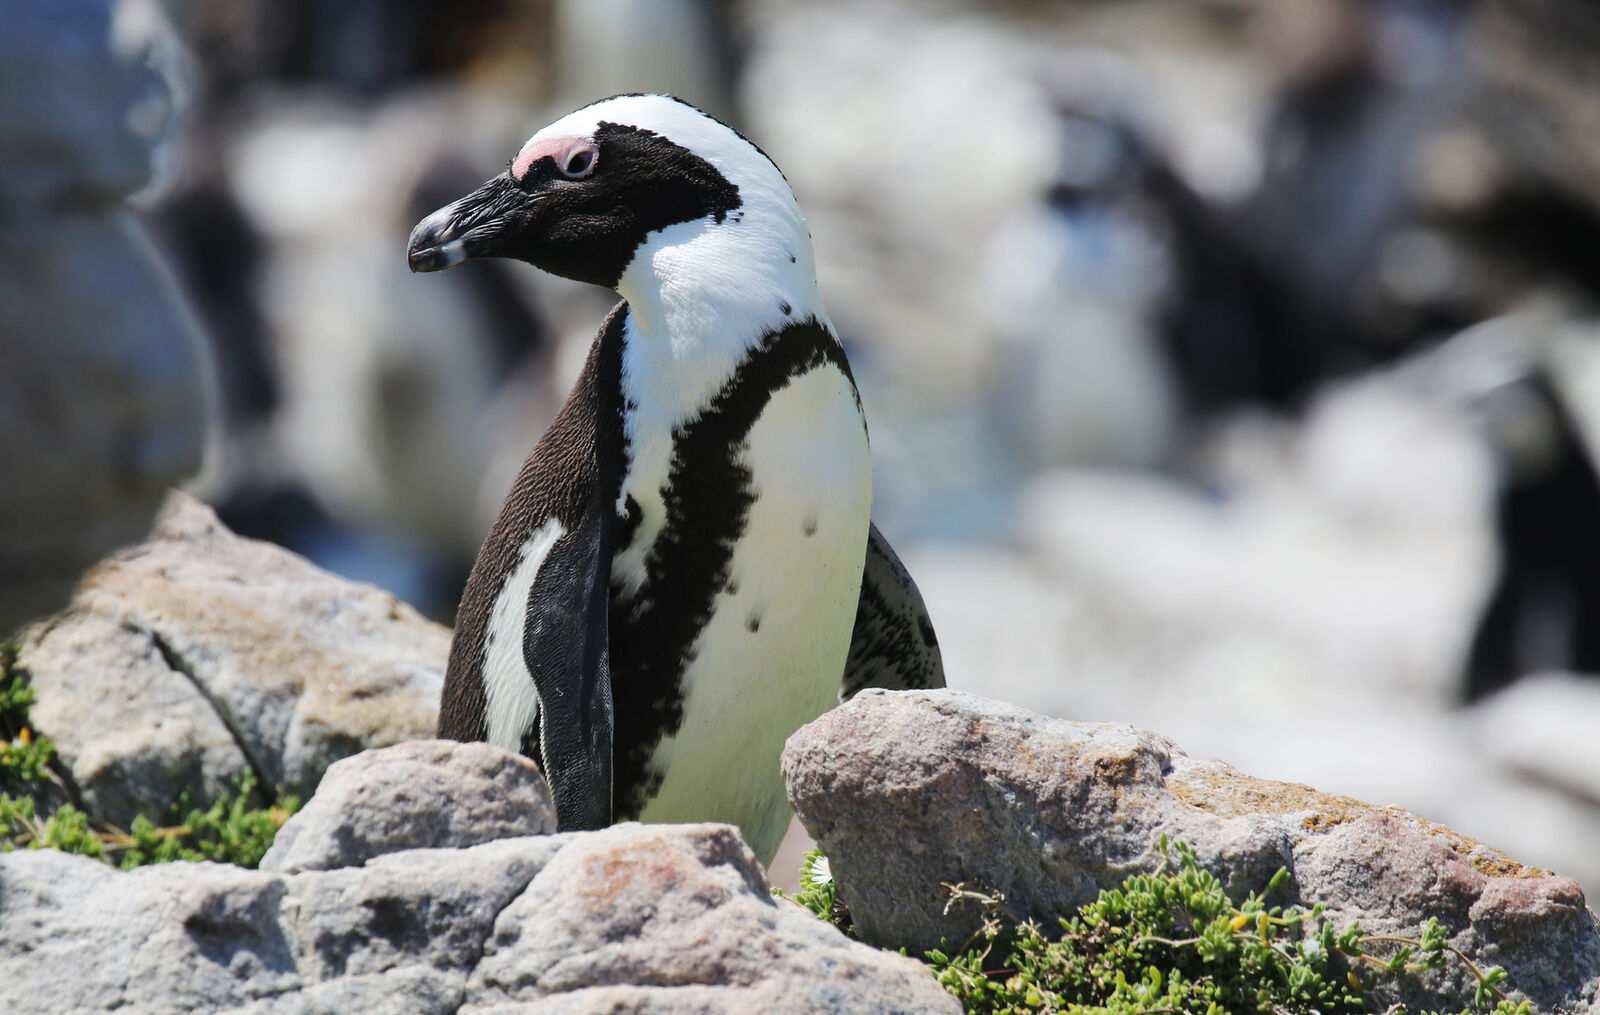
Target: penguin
point(685, 570)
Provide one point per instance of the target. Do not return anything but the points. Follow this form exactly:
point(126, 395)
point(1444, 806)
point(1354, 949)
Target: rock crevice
point(177, 664)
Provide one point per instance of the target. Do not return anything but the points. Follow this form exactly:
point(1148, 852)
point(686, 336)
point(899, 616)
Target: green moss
point(229, 831)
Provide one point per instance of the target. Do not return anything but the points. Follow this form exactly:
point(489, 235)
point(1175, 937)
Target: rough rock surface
point(197, 654)
point(425, 793)
point(663, 918)
point(905, 790)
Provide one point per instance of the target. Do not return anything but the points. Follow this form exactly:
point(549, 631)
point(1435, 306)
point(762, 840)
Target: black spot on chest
point(628, 524)
point(707, 500)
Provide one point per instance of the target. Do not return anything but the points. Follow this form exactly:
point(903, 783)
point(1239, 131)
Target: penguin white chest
point(771, 655)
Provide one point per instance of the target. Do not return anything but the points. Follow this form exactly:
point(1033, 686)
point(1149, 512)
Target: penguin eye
point(579, 161)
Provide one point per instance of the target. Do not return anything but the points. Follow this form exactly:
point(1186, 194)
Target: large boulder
point(198, 655)
point(906, 791)
point(665, 918)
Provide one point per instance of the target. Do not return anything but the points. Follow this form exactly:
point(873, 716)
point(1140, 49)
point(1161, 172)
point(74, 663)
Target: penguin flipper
point(535, 608)
point(893, 644)
point(566, 645)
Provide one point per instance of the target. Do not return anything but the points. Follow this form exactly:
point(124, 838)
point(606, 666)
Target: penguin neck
point(701, 295)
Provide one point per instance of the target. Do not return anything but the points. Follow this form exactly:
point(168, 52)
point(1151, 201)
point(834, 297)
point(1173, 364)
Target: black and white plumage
point(684, 571)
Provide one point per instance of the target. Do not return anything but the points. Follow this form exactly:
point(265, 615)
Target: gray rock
point(77, 936)
point(666, 918)
point(905, 790)
point(187, 659)
point(422, 794)
point(103, 391)
point(680, 918)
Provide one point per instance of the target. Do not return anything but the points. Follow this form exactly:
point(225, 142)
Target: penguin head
point(587, 195)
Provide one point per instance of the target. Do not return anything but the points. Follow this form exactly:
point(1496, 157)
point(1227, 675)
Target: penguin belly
point(771, 655)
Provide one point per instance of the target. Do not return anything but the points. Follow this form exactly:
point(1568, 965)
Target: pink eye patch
point(575, 157)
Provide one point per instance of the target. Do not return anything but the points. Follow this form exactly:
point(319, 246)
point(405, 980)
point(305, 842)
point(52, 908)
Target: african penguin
point(684, 571)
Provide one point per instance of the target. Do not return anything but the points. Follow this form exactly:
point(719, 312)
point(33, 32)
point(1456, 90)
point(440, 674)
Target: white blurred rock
point(883, 142)
point(1073, 301)
point(612, 47)
point(1362, 550)
point(1546, 728)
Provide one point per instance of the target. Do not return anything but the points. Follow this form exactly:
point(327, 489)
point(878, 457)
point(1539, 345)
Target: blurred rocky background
point(1233, 366)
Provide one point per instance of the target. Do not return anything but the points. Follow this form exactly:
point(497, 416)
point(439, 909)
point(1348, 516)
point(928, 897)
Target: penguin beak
point(477, 225)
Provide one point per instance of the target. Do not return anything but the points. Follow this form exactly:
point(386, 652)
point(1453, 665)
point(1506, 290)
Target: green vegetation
point(1172, 942)
point(229, 831)
point(24, 758)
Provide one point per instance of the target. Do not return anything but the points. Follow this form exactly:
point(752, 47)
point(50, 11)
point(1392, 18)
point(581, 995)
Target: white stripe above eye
point(512, 703)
